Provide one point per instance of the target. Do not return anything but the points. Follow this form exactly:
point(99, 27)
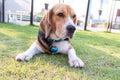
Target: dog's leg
point(74, 61)
point(27, 55)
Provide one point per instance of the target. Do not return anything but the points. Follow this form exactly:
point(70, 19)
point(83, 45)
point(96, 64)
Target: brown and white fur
point(58, 23)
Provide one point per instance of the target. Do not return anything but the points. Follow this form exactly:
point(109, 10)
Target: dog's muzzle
point(70, 30)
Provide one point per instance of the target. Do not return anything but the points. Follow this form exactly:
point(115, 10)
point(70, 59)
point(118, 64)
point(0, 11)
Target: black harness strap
point(44, 41)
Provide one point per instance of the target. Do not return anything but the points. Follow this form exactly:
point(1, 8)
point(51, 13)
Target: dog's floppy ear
point(75, 21)
point(45, 24)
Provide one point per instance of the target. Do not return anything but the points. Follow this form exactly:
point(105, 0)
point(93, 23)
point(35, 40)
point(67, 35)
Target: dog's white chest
point(62, 46)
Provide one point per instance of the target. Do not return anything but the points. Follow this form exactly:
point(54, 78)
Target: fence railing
point(22, 16)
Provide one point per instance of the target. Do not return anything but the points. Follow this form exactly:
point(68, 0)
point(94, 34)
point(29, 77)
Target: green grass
point(100, 52)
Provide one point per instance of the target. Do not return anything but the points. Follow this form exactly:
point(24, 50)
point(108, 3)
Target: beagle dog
point(56, 29)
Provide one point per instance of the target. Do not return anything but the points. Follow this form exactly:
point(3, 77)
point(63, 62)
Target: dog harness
point(46, 43)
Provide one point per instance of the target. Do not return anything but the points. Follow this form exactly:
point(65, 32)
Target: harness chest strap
point(46, 43)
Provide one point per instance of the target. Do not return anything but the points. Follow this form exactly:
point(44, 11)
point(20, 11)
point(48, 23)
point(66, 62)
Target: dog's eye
point(74, 16)
point(60, 14)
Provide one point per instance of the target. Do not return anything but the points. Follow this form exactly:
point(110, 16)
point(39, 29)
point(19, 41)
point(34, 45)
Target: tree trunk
point(3, 10)
point(86, 18)
point(31, 13)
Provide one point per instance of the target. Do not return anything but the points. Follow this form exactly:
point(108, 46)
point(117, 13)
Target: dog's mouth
point(67, 33)
point(70, 31)
point(70, 34)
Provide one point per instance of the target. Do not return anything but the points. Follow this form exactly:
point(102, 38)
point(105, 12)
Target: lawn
point(100, 52)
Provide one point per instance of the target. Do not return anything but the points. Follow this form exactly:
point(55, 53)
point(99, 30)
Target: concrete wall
point(16, 5)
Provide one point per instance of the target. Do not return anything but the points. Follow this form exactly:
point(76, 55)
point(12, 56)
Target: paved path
point(99, 29)
point(23, 23)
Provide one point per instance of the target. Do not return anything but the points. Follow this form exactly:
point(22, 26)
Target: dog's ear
point(45, 24)
point(75, 20)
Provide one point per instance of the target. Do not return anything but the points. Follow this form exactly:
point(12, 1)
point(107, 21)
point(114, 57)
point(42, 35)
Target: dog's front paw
point(76, 62)
point(23, 57)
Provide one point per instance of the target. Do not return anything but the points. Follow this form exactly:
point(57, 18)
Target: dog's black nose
point(71, 28)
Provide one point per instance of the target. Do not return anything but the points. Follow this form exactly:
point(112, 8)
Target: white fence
point(22, 18)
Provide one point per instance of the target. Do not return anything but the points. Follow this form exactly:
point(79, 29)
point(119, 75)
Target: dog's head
point(59, 22)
